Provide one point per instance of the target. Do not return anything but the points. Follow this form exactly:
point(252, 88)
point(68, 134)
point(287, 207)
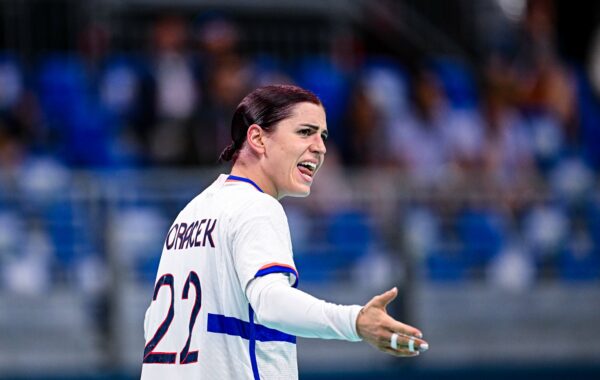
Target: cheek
point(281, 161)
point(284, 155)
point(284, 158)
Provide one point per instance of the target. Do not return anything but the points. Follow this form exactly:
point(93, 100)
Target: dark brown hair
point(266, 106)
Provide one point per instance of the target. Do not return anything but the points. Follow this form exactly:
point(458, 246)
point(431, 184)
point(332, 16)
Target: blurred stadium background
point(463, 167)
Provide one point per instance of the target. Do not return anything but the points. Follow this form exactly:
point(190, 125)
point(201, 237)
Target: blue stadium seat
point(457, 80)
point(446, 265)
point(318, 264)
point(425, 237)
point(580, 259)
point(62, 87)
point(577, 267)
point(90, 137)
point(589, 119)
point(482, 233)
point(350, 234)
point(335, 246)
point(68, 232)
point(591, 215)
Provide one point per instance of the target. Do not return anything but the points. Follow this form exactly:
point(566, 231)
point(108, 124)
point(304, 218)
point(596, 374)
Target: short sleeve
point(261, 242)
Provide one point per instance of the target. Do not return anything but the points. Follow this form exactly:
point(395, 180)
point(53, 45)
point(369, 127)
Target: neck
point(256, 176)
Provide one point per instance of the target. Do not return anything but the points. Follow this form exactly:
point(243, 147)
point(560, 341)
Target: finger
point(382, 300)
point(404, 329)
point(406, 343)
point(407, 353)
point(399, 353)
point(413, 345)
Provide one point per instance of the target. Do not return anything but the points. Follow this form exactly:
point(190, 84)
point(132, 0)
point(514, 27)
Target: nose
point(318, 145)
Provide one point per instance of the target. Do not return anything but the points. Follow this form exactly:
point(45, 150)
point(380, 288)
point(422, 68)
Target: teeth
point(311, 165)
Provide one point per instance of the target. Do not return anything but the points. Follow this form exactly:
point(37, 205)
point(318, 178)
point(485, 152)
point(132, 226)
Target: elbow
point(269, 316)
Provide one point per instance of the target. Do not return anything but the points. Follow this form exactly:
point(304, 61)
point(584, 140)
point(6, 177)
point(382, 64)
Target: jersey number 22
point(185, 356)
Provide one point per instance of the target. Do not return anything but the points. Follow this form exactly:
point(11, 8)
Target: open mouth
point(307, 169)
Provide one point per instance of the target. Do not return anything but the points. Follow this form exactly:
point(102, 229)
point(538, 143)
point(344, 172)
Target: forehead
point(308, 113)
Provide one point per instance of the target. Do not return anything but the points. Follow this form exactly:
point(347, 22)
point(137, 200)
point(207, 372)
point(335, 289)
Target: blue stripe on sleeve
point(278, 269)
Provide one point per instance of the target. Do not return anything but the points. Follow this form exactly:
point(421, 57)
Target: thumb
point(382, 300)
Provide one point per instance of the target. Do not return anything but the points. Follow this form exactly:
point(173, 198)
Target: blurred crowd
point(507, 149)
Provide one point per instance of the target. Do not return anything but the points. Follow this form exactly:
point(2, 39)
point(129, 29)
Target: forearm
point(277, 305)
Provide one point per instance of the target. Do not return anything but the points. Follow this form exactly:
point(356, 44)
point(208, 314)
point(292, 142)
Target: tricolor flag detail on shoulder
point(278, 268)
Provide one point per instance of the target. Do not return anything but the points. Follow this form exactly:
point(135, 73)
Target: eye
point(305, 132)
point(324, 136)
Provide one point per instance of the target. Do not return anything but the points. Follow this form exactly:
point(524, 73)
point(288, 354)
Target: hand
point(376, 327)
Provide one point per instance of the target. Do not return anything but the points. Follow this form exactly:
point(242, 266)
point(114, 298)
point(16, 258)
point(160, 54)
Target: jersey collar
point(242, 179)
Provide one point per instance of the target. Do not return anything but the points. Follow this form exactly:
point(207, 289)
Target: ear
point(254, 138)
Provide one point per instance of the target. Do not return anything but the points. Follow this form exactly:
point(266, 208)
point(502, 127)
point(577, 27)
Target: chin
point(302, 195)
point(300, 192)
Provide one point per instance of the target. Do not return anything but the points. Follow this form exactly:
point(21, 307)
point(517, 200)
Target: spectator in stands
point(225, 77)
point(509, 152)
point(12, 149)
point(463, 133)
point(546, 85)
point(176, 93)
point(416, 141)
point(593, 64)
point(20, 125)
point(363, 130)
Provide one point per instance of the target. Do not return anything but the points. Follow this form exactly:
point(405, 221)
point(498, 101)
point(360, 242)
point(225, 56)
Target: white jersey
point(200, 324)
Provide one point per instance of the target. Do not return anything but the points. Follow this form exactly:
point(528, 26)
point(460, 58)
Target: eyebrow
point(315, 127)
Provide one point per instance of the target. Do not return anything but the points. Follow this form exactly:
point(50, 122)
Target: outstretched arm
point(279, 306)
point(282, 307)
